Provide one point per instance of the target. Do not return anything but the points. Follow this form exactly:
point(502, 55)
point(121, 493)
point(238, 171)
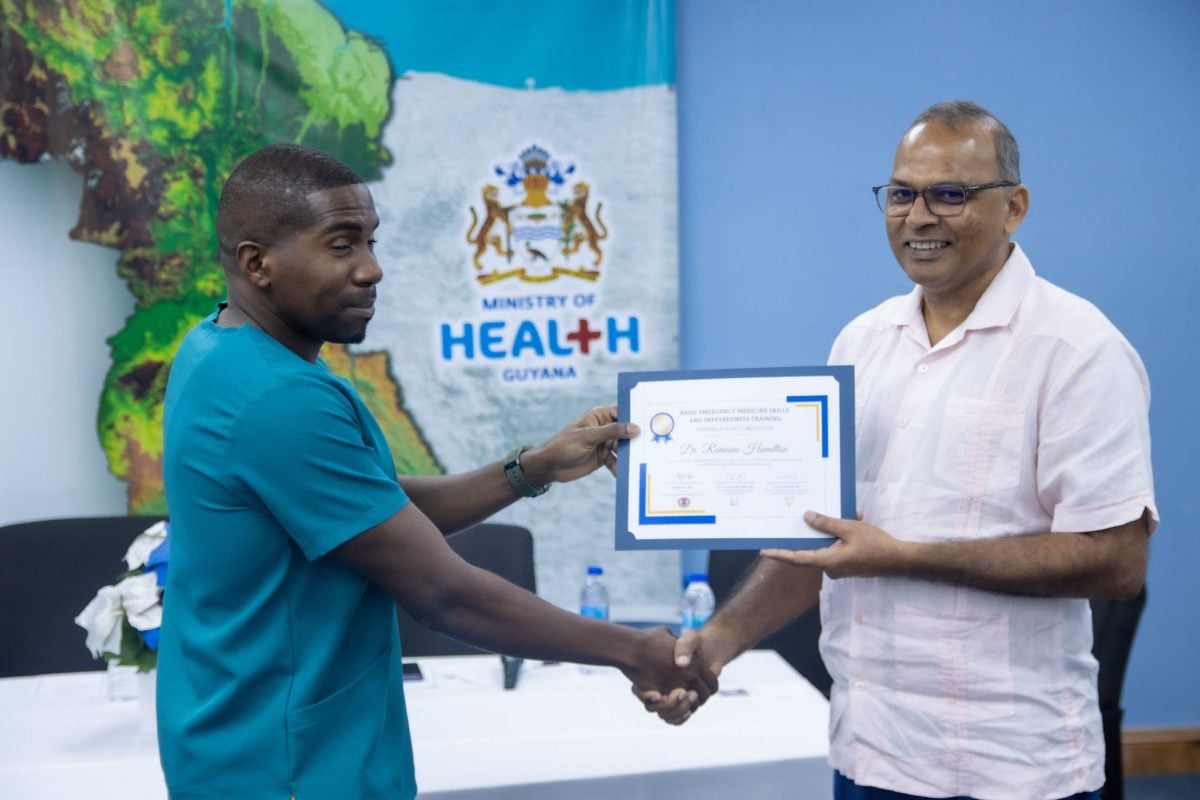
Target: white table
point(61, 737)
point(561, 733)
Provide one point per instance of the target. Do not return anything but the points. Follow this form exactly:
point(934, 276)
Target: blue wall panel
point(790, 111)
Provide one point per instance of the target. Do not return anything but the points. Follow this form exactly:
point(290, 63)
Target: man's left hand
point(861, 550)
point(579, 449)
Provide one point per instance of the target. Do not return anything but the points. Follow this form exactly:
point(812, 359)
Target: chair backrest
point(506, 550)
point(49, 570)
point(1114, 623)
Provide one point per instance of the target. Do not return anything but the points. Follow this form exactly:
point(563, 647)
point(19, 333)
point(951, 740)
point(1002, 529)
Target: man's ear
point(251, 261)
point(1018, 207)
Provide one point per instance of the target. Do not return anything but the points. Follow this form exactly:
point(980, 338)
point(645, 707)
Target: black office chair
point(506, 550)
point(49, 570)
point(1114, 623)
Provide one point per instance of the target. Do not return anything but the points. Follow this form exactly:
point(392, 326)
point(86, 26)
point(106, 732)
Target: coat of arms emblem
point(536, 227)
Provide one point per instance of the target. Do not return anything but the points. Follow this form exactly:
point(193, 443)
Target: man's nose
point(369, 272)
point(919, 215)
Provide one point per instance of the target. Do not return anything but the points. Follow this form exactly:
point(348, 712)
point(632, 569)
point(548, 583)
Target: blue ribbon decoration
point(150, 637)
point(157, 561)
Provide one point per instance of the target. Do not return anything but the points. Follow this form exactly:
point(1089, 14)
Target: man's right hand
point(694, 649)
point(656, 671)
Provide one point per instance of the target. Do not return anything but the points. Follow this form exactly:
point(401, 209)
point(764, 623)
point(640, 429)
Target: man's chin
point(349, 337)
point(922, 268)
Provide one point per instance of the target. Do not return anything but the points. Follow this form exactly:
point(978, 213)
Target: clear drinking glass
point(121, 681)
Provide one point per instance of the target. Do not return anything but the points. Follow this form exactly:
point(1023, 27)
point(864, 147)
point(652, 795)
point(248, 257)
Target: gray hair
point(954, 114)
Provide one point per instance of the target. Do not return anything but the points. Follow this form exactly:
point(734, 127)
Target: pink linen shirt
point(1031, 416)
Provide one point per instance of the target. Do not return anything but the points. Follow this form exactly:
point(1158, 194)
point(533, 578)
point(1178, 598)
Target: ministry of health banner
point(522, 157)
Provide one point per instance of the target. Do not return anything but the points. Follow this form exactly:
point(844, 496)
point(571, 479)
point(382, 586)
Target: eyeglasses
point(943, 199)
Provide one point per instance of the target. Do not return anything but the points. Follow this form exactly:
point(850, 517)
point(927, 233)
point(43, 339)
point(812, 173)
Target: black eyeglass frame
point(967, 190)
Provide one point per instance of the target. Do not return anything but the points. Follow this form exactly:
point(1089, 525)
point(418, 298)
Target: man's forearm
point(1108, 563)
point(486, 611)
point(771, 595)
point(455, 502)
point(490, 613)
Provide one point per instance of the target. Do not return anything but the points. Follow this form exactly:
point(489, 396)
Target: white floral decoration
point(141, 600)
point(102, 621)
point(143, 545)
point(136, 599)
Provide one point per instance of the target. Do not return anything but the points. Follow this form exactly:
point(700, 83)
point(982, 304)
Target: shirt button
point(858, 684)
point(858, 618)
point(882, 488)
point(902, 422)
point(922, 368)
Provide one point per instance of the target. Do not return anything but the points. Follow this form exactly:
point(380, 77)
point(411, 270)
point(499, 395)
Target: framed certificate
point(731, 459)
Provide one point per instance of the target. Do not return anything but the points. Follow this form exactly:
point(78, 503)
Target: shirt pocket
point(980, 446)
point(337, 745)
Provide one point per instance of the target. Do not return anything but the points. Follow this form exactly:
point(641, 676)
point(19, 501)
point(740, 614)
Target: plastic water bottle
point(698, 601)
point(593, 598)
point(593, 602)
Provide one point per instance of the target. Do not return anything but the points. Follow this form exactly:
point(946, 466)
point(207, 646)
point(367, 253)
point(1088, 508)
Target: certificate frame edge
point(625, 540)
point(627, 381)
point(844, 375)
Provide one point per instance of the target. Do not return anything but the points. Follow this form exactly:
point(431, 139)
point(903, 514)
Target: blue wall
point(789, 111)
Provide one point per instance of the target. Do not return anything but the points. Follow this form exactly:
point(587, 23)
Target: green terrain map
point(154, 103)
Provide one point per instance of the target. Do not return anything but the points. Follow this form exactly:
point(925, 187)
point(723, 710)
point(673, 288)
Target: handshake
point(673, 677)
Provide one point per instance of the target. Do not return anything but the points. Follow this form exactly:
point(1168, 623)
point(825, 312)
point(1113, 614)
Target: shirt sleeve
point(1093, 457)
point(305, 454)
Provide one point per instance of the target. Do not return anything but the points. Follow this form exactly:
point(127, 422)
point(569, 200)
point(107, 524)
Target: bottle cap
point(594, 570)
point(696, 576)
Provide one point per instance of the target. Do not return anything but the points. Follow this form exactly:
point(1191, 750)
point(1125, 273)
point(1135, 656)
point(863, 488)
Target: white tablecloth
point(561, 733)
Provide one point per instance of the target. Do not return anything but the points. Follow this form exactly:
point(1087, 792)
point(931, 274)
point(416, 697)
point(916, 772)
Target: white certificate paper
point(731, 459)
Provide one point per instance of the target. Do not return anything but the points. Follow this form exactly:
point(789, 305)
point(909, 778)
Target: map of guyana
point(154, 103)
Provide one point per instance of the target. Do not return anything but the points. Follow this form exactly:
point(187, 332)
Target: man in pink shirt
point(1004, 478)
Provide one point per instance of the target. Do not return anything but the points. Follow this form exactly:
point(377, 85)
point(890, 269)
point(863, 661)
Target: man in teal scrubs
point(291, 536)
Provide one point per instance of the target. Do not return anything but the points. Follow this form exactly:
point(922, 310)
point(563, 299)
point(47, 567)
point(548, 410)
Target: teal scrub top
point(279, 666)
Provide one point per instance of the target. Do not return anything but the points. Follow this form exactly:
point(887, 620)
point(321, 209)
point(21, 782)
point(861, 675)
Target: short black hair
point(265, 197)
point(956, 113)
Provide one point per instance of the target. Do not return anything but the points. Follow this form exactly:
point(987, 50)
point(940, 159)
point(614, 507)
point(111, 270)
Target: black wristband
point(516, 474)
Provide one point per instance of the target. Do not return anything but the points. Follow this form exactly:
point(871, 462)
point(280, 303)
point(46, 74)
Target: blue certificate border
point(626, 381)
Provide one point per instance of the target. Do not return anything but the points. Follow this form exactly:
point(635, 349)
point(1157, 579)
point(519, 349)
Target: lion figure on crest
point(493, 213)
point(577, 226)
